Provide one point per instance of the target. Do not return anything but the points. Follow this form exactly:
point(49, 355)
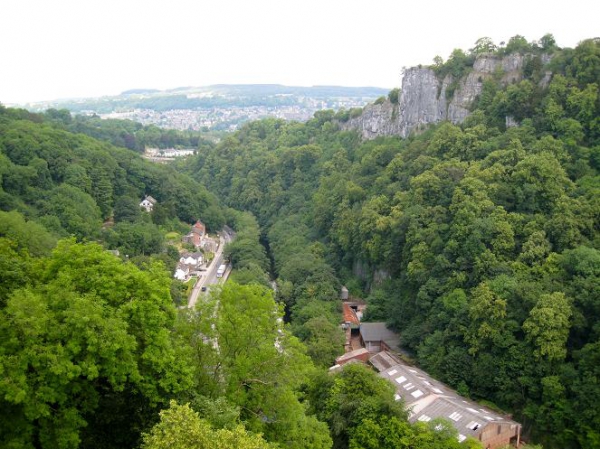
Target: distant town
point(229, 118)
point(217, 108)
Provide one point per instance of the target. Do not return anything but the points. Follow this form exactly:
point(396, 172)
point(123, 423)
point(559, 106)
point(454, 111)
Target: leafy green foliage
point(394, 95)
point(478, 243)
point(135, 239)
point(350, 398)
point(392, 433)
point(88, 329)
point(245, 252)
point(27, 235)
point(77, 211)
point(75, 182)
point(456, 66)
point(182, 428)
point(484, 45)
point(323, 339)
point(125, 133)
point(517, 44)
point(241, 350)
point(15, 268)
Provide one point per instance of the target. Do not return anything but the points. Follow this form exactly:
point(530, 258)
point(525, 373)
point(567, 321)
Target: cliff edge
point(427, 99)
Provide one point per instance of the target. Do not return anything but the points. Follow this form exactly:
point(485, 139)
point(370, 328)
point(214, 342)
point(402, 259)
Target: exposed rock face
point(424, 100)
point(376, 120)
point(373, 276)
point(421, 101)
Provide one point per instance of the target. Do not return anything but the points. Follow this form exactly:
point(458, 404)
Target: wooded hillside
point(480, 244)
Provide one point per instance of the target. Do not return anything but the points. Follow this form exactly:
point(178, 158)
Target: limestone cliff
point(376, 120)
point(425, 99)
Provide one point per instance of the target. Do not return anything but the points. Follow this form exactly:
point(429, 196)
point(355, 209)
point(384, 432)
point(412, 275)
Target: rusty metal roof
point(350, 315)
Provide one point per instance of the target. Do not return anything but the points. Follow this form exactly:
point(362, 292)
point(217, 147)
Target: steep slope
point(488, 234)
point(72, 182)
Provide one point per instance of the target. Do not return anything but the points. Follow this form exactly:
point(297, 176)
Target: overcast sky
point(53, 49)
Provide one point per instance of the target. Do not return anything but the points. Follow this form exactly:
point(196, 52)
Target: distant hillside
point(139, 91)
point(221, 107)
point(71, 183)
point(219, 95)
point(313, 91)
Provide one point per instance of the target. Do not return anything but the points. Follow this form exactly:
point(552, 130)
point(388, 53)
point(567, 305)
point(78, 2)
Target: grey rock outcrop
point(376, 120)
point(424, 98)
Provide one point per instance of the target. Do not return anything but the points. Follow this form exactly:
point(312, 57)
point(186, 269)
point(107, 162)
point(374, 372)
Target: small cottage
point(148, 203)
point(192, 259)
point(196, 235)
point(182, 272)
point(199, 228)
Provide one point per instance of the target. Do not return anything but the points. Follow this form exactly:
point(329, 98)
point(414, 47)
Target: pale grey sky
point(73, 48)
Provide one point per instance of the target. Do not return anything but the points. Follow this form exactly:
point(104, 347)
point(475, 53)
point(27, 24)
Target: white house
point(182, 272)
point(148, 203)
point(192, 259)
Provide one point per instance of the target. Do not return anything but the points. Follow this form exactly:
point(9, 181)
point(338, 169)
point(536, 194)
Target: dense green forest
point(94, 352)
point(70, 182)
point(479, 244)
point(65, 184)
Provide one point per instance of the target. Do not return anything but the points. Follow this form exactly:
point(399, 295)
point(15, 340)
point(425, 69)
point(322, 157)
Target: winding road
point(209, 277)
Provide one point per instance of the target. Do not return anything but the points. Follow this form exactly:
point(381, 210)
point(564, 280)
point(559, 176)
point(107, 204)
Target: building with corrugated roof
point(350, 316)
point(351, 325)
point(427, 398)
point(377, 337)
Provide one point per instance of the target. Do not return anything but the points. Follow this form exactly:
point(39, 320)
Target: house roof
point(383, 361)
point(351, 355)
point(150, 199)
point(195, 255)
point(183, 267)
point(427, 398)
point(379, 332)
point(198, 228)
point(349, 314)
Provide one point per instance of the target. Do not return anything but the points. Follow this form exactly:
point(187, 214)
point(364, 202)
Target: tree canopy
point(476, 241)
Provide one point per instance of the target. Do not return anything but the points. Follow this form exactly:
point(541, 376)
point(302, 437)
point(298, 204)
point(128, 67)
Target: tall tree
point(182, 428)
point(254, 361)
point(90, 330)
